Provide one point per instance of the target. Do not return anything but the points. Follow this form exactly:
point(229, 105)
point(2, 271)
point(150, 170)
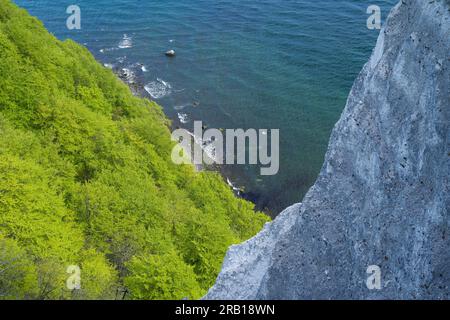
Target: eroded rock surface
point(382, 197)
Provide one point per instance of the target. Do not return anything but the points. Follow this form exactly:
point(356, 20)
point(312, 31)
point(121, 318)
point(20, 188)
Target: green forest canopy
point(86, 179)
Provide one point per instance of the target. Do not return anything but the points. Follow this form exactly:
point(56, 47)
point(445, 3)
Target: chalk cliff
point(382, 197)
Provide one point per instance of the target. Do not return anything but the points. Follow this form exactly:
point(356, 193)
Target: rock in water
point(382, 197)
point(170, 53)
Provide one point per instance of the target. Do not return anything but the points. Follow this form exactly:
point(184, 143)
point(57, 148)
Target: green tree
point(86, 179)
point(161, 277)
point(18, 277)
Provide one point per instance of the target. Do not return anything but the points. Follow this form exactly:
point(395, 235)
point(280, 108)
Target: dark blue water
point(286, 64)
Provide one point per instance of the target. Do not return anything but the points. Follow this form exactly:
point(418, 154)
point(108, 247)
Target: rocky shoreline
point(136, 86)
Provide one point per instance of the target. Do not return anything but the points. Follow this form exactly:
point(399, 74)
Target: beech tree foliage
point(86, 179)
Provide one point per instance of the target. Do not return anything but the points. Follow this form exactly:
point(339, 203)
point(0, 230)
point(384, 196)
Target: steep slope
point(86, 179)
point(382, 197)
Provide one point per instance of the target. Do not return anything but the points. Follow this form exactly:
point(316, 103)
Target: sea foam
point(158, 89)
point(126, 42)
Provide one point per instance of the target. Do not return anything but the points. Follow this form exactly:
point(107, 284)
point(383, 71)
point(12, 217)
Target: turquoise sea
point(263, 64)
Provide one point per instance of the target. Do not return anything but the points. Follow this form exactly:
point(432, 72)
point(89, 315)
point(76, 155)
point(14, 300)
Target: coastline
point(137, 87)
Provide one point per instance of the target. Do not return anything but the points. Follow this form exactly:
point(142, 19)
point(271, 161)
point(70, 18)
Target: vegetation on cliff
point(86, 179)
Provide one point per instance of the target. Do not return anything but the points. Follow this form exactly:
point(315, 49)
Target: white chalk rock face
point(382, 197)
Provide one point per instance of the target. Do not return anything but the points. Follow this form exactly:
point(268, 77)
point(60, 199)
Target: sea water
point(262, 64)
